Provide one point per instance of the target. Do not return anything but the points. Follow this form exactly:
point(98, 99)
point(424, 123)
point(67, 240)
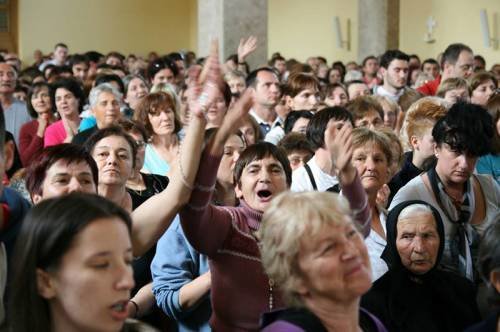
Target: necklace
point(270, 280)
point(271, 298)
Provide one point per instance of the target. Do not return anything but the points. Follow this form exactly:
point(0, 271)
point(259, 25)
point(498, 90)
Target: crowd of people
point(178, 193)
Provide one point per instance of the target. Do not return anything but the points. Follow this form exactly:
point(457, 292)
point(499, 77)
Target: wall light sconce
point(488, 40)
point(342, 42)
point(431, 24)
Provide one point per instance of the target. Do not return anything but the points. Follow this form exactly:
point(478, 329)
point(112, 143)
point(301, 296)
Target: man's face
point(60, 54)
point(7, 78)
point(396, 74)
point(81, 71)
point(267, 89)
point(431, 69)
point(463, 67)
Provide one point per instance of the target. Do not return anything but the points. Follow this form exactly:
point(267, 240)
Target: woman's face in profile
point(418, 242)
point(90, 288)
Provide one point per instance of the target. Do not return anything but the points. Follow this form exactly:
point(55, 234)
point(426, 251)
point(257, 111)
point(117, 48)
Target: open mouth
point(119, 310)
point(120, 306)
point(264, 194)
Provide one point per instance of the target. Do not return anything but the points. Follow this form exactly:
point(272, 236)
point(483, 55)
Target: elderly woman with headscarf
point(313, 252)
point(415, 295)
point(467, 202)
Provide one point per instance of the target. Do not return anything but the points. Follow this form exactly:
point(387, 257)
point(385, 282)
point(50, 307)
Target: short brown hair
point(153, 102)
point(452, 84)
point(364, 104)
point(298, 82)
point(295, 142)
point(362, 136)
point(481, 77)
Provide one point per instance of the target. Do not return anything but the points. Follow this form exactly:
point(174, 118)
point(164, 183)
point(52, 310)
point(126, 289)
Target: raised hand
point(339, 144)
point(246, 47)
point(204, 84)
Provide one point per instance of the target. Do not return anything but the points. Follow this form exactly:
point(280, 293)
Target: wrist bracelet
point(136, 308)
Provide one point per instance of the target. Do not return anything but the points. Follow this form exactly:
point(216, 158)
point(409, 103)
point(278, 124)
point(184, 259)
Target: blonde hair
point(386, 102)
point(361, 136)
point(291, 219)
point(421, 115)
point(452, 84)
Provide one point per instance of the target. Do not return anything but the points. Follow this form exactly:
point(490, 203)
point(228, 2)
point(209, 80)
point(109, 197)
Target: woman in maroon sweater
point(241, 291)
point(32, 133)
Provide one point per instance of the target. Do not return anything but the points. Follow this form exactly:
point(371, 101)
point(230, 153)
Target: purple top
point(281, 325)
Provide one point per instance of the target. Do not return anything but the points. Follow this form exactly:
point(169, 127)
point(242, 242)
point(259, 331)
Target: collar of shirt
point(277, 122)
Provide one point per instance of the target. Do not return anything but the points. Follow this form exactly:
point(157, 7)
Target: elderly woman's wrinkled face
point(334, 264)
point(454, 166)
point(417, 242)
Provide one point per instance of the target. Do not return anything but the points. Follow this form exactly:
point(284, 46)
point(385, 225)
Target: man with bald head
point(458, 61)
point(15, 111)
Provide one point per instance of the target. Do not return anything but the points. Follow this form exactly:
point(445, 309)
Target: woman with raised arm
point(241, 291)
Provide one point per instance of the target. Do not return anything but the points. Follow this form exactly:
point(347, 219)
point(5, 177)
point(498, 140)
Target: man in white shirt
point(267, 94)
point(394, 67)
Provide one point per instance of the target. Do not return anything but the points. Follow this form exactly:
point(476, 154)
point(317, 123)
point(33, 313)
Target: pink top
point(240, 290)
point(54, 134)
